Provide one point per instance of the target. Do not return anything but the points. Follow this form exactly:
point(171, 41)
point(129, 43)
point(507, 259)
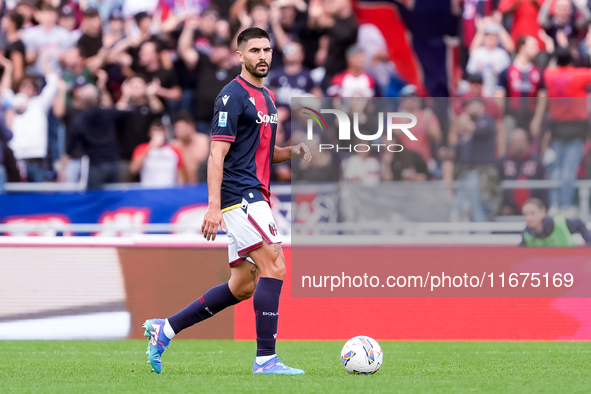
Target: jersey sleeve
point(179, 155)
point(227, 110)
point(140, 150)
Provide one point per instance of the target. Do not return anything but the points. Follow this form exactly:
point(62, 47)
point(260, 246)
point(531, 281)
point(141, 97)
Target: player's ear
point(240, 56)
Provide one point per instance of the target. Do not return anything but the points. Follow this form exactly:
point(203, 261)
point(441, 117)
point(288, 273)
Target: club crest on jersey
point(266, 119)
point(273, 229)
point(225, 99)
point(223, 120)
point(252, 101)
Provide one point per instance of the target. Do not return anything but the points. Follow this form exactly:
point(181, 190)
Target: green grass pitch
point(192, 366)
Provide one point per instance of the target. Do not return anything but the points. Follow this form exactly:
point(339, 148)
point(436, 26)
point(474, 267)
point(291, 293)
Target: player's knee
point(276, 270)
point(281, 271)
point(280, 266)
point(244, 291)
point(242, 287)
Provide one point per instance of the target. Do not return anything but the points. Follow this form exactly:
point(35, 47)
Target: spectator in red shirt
point(569, 125)
point(525, 18)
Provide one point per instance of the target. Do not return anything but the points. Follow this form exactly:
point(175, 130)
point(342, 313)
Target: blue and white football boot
point(157, 342)
point(275, 367)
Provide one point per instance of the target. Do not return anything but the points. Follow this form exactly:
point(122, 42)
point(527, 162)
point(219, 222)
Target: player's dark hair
point(17, 19)
point(563, 57)
point(537, 202)
point(250, 34)
point(140, 16)
point(183, 116)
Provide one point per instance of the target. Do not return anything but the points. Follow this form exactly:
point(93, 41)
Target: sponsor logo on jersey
point(223, 120)
point(225, 99)
point(266, 119)
point(252, 101)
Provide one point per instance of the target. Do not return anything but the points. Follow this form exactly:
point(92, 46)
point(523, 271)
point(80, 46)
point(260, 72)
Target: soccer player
point(242, 152)
point(543, 230)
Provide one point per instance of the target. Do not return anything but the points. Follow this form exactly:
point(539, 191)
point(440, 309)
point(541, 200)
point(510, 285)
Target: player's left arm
point(301, 150)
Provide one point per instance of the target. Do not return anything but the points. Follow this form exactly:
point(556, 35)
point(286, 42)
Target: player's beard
point(253, 69)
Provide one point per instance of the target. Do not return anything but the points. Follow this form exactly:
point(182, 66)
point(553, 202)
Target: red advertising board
point(428, 318)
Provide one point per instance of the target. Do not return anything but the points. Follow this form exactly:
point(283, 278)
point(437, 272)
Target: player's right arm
point(227, 109)
point(215, 172)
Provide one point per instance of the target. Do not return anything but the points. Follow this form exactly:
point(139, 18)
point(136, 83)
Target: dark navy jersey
point(245, 116)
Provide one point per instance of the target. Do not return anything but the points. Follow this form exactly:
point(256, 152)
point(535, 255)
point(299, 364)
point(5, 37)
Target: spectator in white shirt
point(29, 123)
point(158, 163)
point(489, 59)
point(362, 168)
point(46, 39)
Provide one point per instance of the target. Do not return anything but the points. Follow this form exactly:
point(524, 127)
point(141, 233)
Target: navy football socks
point(266, 306)
point(213, 301)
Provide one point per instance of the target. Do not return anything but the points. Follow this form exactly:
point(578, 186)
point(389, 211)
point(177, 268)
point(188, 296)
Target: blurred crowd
point(128, 86)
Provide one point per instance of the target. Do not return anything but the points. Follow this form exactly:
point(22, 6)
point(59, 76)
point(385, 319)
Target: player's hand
point(302, 151)
point(211, 222)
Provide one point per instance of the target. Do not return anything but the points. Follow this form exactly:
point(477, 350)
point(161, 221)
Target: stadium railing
point(45, 187)
point(504, 225)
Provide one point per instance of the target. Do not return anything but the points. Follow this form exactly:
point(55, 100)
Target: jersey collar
point(249, 84)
